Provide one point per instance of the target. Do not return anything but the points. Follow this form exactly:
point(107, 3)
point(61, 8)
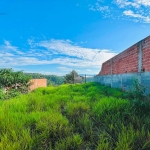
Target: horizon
point(56, 37)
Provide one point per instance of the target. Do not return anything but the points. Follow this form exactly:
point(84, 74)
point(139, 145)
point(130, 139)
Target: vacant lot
point(74, 117)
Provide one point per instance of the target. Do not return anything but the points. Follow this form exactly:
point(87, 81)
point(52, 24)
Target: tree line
point(51, 79)
point(70, 78)
point(14, 83)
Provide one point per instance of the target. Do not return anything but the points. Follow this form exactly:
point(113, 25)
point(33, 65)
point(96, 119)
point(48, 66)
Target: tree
point(13, 83)
point(21, 82)
point(51, 79)
point(70, 78)
point(6, 78)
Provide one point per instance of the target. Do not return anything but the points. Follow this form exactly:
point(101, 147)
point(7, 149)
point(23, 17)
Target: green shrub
point(69, 143)
point(110, 106)
point(49, 129)
point(132, 139)
point(2, 95)
point(139, 99)
point(105, 142)
point(76, 110)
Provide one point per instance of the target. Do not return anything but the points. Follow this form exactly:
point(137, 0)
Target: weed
point(75, 117)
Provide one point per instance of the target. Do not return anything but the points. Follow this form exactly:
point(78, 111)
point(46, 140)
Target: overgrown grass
point(74, 117)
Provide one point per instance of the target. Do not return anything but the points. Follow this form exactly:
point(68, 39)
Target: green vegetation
point(74, 117)
point(70, 78)
point(51, 79)
point(13, 83)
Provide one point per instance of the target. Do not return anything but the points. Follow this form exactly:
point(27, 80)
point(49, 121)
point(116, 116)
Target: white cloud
point(99, 7)
point(143, 2)
point(63, 68)
point(81, 56)
point(88, 70)
point(135, 10)
point(8, 47)
point(132, 14)
point(61, 52)
point(133, 3)
point(124, 3)
point(30, 41)
point(6, 54)
point(51, 73)
point(43, 72)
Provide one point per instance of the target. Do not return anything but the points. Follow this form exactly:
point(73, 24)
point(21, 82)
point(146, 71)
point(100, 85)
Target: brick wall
point(38, 83)
point(106, 67)
point(129, 60)
point(146, 54)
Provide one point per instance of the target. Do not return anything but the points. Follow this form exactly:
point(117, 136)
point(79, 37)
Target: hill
point(51, 79)
point(74, 117)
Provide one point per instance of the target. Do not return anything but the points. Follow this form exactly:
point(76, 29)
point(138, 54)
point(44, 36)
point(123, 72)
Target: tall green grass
point(73, 117)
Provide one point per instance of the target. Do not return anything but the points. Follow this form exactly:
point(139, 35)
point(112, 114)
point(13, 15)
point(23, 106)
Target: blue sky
point(57, 36)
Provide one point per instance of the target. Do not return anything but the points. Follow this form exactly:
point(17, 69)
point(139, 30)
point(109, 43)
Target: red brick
point(127, 61)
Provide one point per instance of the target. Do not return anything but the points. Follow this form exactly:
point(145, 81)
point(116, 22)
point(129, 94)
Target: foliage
point(73, 117)
point(51, 79)
point(70, 78)
point(136, 92)
point(12, 83)
point(2, 95)
point(139, 98)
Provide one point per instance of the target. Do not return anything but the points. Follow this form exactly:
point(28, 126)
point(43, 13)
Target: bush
point(139, 99)
point(71, 143)
point(110, 106)
point(2, 95)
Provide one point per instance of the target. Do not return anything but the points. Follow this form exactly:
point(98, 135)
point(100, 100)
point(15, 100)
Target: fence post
point(85, 78)
point(140, 53)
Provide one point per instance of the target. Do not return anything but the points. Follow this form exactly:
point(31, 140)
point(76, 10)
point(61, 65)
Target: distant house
point(78, 79)
point(36, 83)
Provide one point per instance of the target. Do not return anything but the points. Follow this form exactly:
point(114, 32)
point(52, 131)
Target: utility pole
point(85, 78)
